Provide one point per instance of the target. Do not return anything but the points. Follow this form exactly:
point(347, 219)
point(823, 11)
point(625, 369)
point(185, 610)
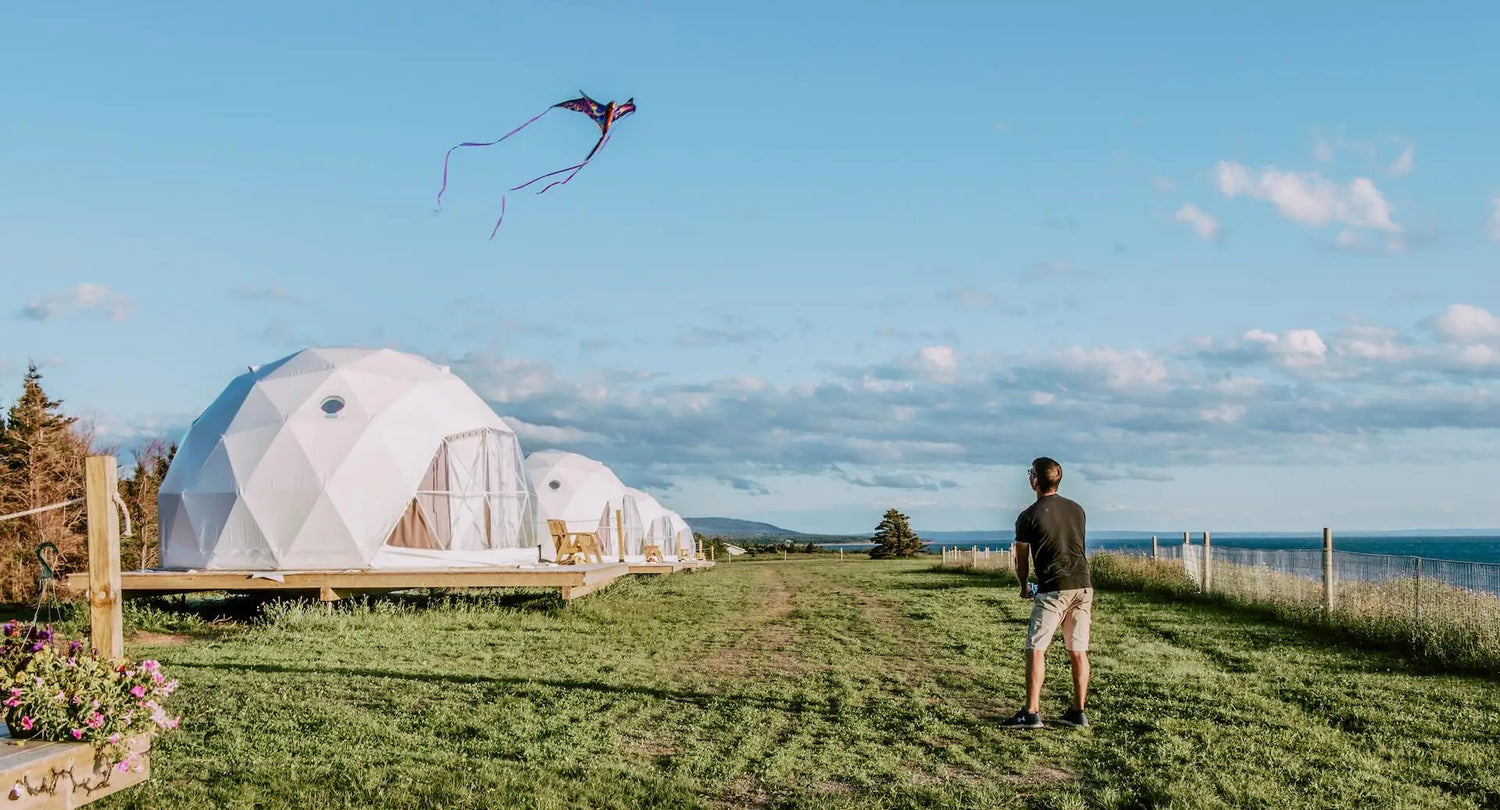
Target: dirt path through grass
point(807, 683)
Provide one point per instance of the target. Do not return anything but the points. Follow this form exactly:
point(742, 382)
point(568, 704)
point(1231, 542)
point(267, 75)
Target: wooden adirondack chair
point(573, 547)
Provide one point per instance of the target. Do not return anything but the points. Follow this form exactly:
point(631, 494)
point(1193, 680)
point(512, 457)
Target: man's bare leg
point(1036, 670)
point(1080, 659)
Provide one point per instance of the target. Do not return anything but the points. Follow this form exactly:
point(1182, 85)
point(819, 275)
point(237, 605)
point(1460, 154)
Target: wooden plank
point(107, 628)
point(55, 776)
point(571, 592)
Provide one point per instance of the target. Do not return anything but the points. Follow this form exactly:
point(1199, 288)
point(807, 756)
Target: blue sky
point(1235, 271)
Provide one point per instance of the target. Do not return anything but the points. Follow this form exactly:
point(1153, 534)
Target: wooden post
point(1327, 570)
point(1187, 539)
point(1417, 603)
point(1155, 552)
point(1208, 563)
point(620, 532)
point(106, 624)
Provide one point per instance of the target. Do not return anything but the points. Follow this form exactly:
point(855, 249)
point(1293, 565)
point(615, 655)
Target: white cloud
point(1224, 413)
point(1309, 198)
point(1119, 369)
point(1494, 223)
point(1465, 323)
point(1294, 348)
point(1205, 225)
point(79, 299)
point(1404, 164)
point(975, 299)
point(548, 435)
point(1262, 396)
point(254, 293)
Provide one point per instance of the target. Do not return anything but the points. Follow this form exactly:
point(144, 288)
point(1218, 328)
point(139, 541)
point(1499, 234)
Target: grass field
point(808, 683)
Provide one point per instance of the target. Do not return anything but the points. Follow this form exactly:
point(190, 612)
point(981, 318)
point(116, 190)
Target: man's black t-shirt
point(1053, 528)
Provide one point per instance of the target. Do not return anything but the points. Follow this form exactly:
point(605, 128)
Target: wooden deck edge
point(335, 584)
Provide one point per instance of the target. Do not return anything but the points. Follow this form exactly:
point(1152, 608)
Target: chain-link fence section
point(1443, 609)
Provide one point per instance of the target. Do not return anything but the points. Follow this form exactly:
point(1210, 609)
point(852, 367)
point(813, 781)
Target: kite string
point(490, 143)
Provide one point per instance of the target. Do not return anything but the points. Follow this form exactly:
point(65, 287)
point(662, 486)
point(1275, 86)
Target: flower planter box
point(37, 774)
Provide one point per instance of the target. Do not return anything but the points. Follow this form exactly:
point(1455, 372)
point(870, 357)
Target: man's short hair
point(1048, 473)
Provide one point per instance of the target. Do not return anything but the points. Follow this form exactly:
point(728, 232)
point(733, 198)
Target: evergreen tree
point(42, 454)
point(139, 492)
point(894, 538)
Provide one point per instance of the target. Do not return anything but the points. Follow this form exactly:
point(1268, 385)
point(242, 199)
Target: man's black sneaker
point(1074, 718)
point(1023, 719)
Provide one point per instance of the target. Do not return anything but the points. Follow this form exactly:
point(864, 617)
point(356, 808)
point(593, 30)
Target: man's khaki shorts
point(1069, 610)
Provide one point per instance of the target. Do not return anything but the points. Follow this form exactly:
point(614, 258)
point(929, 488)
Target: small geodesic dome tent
point(682, 538)
point(582, 493)
point(660, 529)
point(347, 458)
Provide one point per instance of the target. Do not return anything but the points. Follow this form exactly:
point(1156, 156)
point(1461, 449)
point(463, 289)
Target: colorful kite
point(605, 115)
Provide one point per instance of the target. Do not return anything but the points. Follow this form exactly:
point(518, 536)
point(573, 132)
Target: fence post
point(1155, 552)
point(1327, 570)
point(1208, 563)
point(1187, 539)
point(106, 625)
point(1417, 626)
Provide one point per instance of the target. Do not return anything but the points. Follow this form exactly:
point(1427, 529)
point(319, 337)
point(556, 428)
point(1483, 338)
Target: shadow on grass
point(832, 709)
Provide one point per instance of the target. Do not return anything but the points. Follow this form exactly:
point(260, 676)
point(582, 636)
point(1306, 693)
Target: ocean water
point(1434, 546)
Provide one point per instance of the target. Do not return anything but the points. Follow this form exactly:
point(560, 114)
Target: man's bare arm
point(1023, 565)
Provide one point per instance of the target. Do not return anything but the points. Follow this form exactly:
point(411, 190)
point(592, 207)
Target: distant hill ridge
point(735, 528)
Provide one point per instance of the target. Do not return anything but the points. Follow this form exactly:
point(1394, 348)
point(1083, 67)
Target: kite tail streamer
point(490, 143)
point(500, 220)
point(575, 169)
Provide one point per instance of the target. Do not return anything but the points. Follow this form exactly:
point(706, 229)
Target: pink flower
point(156, 677)
point(124, 765)
point(96, 721)
point(137, 692)
point(77, 733)
point(114, 738)
point(12, 702)
point(15, 691)
point(149, 666)
point(27, 722)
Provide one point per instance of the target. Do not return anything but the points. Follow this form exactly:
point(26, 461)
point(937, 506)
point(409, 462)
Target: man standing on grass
point(1051, 531)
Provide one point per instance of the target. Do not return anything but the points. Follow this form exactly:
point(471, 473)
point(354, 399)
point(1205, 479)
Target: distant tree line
point(42, 452)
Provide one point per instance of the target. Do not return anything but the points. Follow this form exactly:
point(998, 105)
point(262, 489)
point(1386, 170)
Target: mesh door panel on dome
point(474, 495)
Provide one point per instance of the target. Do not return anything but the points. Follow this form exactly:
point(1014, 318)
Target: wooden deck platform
point(55, 775)
point(659, 568)
point(572, 581)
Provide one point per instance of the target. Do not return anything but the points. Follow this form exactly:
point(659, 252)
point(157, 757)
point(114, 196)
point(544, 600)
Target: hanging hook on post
point(47, 572)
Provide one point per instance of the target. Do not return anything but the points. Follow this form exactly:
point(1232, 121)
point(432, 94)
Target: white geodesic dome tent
point(682, 537)
point(588, 497)
point(347, 458)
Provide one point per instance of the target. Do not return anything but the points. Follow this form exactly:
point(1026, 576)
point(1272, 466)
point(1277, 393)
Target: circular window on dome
point(332, 405)
point(555, 484)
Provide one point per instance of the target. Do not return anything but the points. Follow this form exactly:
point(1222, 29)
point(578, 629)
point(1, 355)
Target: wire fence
point(1442, 609)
